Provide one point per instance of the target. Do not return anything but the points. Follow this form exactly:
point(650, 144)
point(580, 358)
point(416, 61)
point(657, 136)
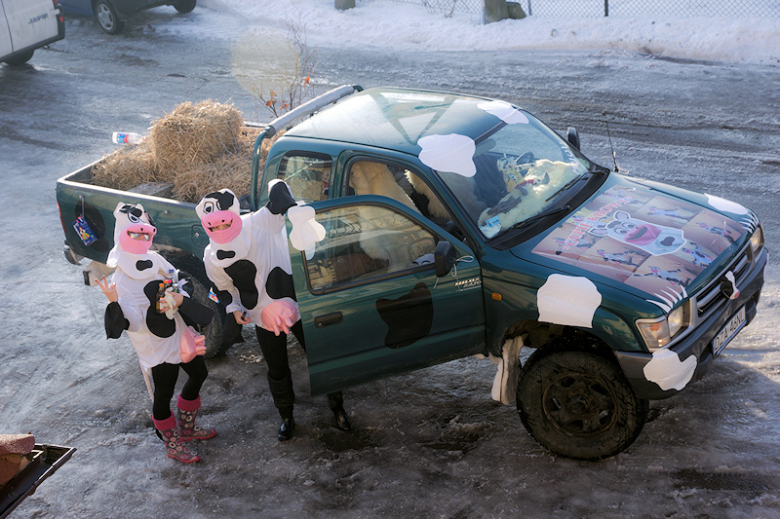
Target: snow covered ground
point(402, 26)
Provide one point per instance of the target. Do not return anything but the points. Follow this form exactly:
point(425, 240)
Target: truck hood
point(645, 238)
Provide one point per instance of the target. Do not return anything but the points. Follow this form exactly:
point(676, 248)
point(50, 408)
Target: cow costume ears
point(220, 214)
point(134, 229)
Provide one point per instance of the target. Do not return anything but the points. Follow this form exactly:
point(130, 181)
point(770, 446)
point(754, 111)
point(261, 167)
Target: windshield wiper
point(566, 186)
point(540, 216)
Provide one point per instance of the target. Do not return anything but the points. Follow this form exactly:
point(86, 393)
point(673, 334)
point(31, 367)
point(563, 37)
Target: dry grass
point(198, 148)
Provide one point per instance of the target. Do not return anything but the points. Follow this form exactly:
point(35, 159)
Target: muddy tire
point(578, 404)
point(185, 6)
point(20, 59)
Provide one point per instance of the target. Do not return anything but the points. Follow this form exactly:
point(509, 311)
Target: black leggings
point(164, 376)
point(274, 349)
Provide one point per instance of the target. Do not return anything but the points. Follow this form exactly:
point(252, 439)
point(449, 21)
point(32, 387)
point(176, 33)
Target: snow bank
point(404, 26)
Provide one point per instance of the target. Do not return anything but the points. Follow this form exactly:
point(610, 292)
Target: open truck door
point(386, 291)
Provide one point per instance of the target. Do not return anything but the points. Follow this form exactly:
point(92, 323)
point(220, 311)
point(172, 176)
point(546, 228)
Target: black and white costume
point(156, 337)
point(248, 258)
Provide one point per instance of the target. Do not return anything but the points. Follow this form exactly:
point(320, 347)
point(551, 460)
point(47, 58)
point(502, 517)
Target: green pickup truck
point(459, 225)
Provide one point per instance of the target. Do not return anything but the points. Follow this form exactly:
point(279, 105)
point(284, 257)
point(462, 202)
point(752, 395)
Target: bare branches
point(292, 81)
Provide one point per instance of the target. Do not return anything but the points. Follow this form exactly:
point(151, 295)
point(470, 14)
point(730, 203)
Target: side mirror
point(445, 256)
point(573, 137)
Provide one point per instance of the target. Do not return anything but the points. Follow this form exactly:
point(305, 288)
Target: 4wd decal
point(653, 242)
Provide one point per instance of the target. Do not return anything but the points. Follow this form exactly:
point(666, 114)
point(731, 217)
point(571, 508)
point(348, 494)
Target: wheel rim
point(579, 405)
point(105, 17)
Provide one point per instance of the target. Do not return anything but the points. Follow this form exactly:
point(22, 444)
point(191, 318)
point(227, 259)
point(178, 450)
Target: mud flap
point(508, 368)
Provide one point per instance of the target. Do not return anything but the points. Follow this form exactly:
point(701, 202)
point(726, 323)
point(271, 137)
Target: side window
point(307, 174)
point(363, 242)
point(396, 182)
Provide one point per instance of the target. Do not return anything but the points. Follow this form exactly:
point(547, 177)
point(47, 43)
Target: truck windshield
point(522, 170)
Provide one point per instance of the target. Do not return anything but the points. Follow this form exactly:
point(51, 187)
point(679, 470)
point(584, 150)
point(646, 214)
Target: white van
point(26, 25)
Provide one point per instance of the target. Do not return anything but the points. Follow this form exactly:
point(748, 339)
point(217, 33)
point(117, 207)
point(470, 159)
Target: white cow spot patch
point(504, 111)
point(721, 204)
point(306, 231)
point(452, 153)
point(666, 370)
point(568, 300)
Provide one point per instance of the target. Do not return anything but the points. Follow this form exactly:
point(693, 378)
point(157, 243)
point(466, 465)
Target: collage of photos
point(642, 239)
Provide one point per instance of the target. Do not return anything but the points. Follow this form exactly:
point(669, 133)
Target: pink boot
point(188, 429)
point(173, 444)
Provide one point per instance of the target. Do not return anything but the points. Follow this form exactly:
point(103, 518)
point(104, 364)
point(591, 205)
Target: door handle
point(328, 319)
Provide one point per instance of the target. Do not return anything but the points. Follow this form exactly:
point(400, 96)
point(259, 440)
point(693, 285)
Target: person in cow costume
point(160, 339)
point(248, 261)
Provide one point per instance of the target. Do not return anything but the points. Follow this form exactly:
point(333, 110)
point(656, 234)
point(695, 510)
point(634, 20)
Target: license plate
point(729, 331)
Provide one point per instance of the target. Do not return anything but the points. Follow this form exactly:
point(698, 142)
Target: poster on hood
point(641, 238)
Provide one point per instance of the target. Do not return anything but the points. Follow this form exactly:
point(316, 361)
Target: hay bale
point(230, 170)
point(198, 148)
point(192, 135)
point(126, 168)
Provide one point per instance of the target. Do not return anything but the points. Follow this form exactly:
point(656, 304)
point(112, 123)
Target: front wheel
point(579, 404)
point(185, 6)
point(20, 59)
point(107, 17)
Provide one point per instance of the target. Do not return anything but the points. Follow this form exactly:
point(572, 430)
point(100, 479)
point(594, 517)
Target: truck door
point(30, 22)
point(371, 303)
point(6, 47)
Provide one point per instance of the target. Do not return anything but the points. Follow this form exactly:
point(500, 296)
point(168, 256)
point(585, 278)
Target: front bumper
point(699, 342)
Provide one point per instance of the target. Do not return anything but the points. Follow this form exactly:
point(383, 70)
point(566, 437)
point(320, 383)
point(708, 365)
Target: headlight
point(757, 240)
point(657, 333)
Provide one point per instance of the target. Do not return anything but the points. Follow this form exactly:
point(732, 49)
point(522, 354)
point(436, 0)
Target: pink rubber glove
point(278, 317)
point(191, 345)
point(200, 345)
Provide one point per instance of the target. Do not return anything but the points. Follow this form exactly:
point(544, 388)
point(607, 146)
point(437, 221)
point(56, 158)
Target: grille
point(711, 297)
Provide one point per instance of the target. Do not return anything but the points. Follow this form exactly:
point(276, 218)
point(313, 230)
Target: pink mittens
point(192, 344)
point(279, 316)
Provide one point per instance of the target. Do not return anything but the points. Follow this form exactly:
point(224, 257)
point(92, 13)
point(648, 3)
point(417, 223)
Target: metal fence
point(657, 8)
point(617, 8)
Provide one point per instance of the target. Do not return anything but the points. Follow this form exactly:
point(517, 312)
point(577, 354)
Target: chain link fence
point(616, 8)
point(657, 8)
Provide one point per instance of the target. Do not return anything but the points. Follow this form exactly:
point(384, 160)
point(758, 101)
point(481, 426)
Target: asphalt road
point(430, 444)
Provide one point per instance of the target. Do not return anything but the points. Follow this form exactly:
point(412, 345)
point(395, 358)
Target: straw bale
point(125, 168)
point(231, 170)
point(194, 134)
point(198, 148)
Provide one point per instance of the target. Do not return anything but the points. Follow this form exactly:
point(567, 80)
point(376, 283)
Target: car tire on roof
point(185, 6)
point(578, 403)
point(107, 17)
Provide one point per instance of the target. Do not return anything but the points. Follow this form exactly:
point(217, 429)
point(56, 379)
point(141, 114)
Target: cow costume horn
point(218, 209)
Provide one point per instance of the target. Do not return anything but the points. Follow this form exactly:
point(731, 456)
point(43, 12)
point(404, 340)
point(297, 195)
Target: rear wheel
point(185, 6)
point(20, 59)
point(107, 17)
point(579, 404)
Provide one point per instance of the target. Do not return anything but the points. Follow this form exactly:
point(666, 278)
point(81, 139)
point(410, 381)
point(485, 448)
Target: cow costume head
point(133, 235)
point(220, 214)
point(134, 229)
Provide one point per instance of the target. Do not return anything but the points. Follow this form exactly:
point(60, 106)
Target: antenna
point(614, 159)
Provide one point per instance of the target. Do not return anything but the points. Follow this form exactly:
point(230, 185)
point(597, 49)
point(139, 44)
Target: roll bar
point(289, 119)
